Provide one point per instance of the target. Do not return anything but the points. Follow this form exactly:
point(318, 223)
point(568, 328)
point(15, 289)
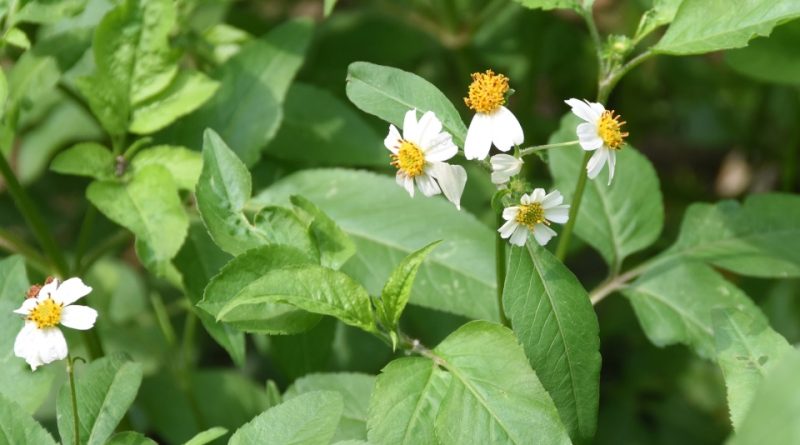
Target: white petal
point(508, 228)
point(51, 345)
point(552, 199)
point(48, 290)
point(500, 177)
point(596, 162)
point(506, 131)
point(25, 339)
point(588, 137)
point(538, 195)
point(612, 163)
point(27, 306)
point(452, 179)
point(525, 199)
point(598, 108)
point(427, 185)
point(559, 214)
point(408, 184)
point(440, 149)
point(392, 141)
point(479, 137)
point(410, 131)
point(519, 236)
point(78, 317)
point(504, 167)
point(510, 213)
point(583, 110)
point(542, 233)
point(428, 129)
point(71, 291)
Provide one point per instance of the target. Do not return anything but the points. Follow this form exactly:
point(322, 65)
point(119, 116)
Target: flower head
point(493, 123)
point(419, 155)
point(504, 167)
point(601, 132)
point(534, 214)
point(40, 341)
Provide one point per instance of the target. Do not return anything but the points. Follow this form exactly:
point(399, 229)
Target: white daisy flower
point(601, 133)
point(419, 156)
point(493, 123)
point(534, 214)
point(504, 167)
point(40, 341)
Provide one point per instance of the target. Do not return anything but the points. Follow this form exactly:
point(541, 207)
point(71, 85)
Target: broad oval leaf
point(183, 164)
point(18, 427)
point(85, 159)
point(770, 59)
point(188, 91)
point(554, 320)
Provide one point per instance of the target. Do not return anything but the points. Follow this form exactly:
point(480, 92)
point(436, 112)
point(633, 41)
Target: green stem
point(500, 268)
point(588, 17)
point(14, 245)
point(29, 211)
point(610, 81)
point(83, 236)
point(534, 148)
point(566, 234)
point(73, 394)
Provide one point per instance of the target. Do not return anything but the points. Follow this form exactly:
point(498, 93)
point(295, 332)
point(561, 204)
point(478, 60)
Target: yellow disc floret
point(487, 92)
point(409, 159)
point(609, 127)
point(46, 314)
point(531, 214)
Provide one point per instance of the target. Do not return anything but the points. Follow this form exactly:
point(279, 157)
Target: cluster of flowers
point(421, 151)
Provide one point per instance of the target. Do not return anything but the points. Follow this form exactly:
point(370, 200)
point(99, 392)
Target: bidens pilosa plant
point(399, 222)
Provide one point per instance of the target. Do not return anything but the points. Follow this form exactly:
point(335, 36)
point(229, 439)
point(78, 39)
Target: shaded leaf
point(18, 427)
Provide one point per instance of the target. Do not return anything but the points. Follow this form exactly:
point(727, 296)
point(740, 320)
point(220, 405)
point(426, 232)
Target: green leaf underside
point(397, 290)
point(691, 32)
point(616, 220)
point(18, 427)
point(389, 93)
point(387, 225)
point(770, 59)
point(557, 326)
point(308, 419)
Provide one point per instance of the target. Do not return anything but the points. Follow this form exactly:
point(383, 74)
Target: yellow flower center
point(409, 159)
point(609, 127)
point(46, 314)
point(487, 92)
point(531, 214)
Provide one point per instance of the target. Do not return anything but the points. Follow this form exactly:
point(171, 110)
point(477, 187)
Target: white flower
point(504, 167)
point(419, 156)
point(534, 214)
point(492, 123)
point(602, 133)
point(40, 341)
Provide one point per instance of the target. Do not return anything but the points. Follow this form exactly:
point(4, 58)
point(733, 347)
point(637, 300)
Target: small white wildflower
point(534, 214)
point(40, 341)
point(419, 156)
point(493, 123)
point(504, 167)
point(601, 133)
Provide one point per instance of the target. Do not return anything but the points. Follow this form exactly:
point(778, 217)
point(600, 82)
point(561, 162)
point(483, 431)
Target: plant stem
point(615, 283)
point(500, 268)
point(588, 17)
point(533, 149)
point(29, 211)
point(73, 394)
point(13, 244)
point(566, 234)
point(83, 236)
point(610, 81)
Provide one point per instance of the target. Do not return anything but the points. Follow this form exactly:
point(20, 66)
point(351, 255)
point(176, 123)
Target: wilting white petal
point(410, 131)
point(519, 236)
point(510, 213)
point(479, 137)
point(70, 291)
point(392, 141)
point(428, 128)
point(543, 234)
point(452, 179)
point(612, 163)
point(538, 195)
point(583, 110)
point(78, 317)
point(508, 228)
point(441, 148)
point(588, 137)
point(596, 162)
point(504, 167)
point(27, 306)
point(506, 131)
point(558, 214)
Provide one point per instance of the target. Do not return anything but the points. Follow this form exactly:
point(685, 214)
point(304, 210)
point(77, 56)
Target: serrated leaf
point(86, 159)
point(508, 410)
point(389, 93)
point(188, 91)
point(459, 277)
point(18, 427)
point(617, 219)
point(662, 13)
point(551, 315)
point(105, 389)
point(334, 246)
point(405, 401)
point(130, 438)
point(692, 32)
point(207, 436)
point(747, 351)
point(283, 226)
point(183, 164)
point(309, 419)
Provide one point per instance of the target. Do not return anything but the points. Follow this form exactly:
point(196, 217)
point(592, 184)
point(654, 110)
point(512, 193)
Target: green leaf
point(207, 436)
point(86, 159)
point(222, 191)
point(662, 13)
point(674, 301)
point(242, 272)
point(328, 133)
point(772, 419)
point(732, 27)
point(306, 352)
point(3, 93)
point(198, 261)
point(553, 4)
point(405, 401)
point(617, 219)
point(309, 419)
point(17, 382)
point(459, 277)
point(328, 6)
point(760, 238)
point(48, 11)
point(18, 427)
point(397, 290)
point(312, 288)
point(335, 247)
point(283, 226)
point(747, 350)
point(247, 109)
point(130, 438)
point(554, 320)
point(32, 76)
point(770, 59)
point(187, 92)
point(17, 37)
point(183, 164)
point(148, 206)
point(105, 389)
point(511, 409)
point(355, 390)
point(389, 93)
